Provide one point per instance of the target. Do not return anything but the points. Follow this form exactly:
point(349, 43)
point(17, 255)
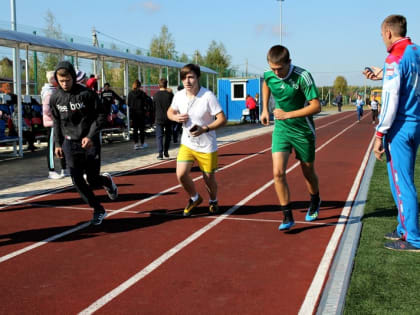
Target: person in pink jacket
point(47, 90)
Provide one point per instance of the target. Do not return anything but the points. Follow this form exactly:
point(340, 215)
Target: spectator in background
point(92, 83)
point(339, 101)
point(81, 78)
point(359, 107)
point(47, 90)
point(137, 102)
point(252, 106)
point(109, 97)
point(162, 100)
point(257, 101)
point(374, 106)
point(177, 127)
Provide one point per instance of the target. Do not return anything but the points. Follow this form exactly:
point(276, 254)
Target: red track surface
point(242, 265)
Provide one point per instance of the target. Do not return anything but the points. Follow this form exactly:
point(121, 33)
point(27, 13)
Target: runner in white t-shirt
point(200, 113)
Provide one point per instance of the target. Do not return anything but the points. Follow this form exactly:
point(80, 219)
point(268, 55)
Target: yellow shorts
point(207, 162)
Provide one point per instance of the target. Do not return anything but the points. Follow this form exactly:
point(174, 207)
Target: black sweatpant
point(139, 126)
point(81, 161)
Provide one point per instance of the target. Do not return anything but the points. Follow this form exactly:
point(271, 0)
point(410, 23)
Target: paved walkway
point(27, 176)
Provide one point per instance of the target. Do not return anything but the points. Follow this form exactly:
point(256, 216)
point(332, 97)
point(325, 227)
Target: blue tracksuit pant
point(401, 144)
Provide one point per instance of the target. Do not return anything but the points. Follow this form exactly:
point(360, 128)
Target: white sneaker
point(143, 146)
point(65, 173)
point(54, 175)
point(136, 147)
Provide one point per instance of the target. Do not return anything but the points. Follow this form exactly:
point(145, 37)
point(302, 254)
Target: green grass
point(383, 281)
point(334, 108)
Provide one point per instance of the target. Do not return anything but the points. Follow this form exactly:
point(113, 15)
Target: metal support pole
point(27, 71)
point(126, 94)
point(139, 72)
point(35, 70)
point(103, 79)
point(13, 22)
point(167, 74)
point(18, 92)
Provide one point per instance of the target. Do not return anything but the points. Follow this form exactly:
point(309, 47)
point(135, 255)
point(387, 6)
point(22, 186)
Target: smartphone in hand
point(193, 128)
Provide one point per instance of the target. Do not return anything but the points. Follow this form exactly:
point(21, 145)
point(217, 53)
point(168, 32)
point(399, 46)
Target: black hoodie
point(77, 113)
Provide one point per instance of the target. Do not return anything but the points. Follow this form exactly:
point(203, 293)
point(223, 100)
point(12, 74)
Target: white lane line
point(86, 224)
point(124, 209)
point(315, 289)
point(242, 219)
point(163, 258)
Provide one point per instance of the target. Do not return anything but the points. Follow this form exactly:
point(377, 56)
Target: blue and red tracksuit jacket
point(401, 91)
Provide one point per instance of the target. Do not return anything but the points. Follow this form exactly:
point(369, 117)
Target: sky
point(327, 37)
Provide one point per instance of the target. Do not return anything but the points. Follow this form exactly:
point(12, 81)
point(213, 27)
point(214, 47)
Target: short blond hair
point(50, 77)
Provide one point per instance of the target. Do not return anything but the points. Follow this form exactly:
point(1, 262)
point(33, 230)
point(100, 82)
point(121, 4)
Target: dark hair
point(136, 85)
point(163, 83)
point(92, 76)
point(278, 55)
point(62, 72)
point(397, 24)
point(106, 84)
point(188, 69)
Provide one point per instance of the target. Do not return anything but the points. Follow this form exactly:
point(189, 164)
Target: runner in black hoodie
point(78, 117)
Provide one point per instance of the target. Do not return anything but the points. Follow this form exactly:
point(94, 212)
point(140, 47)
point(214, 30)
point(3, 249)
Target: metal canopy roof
point(49, 45)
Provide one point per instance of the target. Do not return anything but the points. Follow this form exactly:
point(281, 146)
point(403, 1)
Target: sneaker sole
point(415, 250)
point(285, 228)
point(390, 238)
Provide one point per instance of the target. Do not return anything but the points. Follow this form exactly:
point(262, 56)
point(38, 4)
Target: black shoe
point(213, 207)
point(393, 236)
point(160, 157)
point(191, 205)
point(98, 217)
point(113, 191)
point(166, 154)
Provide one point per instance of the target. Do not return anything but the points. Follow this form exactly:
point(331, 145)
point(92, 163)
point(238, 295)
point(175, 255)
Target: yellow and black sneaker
point(191, 205)
point(213, 207)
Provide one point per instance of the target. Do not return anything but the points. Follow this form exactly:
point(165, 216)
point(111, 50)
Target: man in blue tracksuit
point(398, 131)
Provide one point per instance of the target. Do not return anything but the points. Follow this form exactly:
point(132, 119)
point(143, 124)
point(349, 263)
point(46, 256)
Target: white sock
point(194, 198)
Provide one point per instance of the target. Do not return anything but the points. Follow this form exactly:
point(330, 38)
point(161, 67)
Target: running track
point(147, 259)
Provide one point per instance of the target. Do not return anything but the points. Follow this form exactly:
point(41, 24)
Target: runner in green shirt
point(296, 100)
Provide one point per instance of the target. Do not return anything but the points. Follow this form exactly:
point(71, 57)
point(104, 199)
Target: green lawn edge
point(383, 281)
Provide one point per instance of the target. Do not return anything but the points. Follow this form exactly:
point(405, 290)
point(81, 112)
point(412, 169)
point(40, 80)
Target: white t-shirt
point(374, 105)
point(201, 111)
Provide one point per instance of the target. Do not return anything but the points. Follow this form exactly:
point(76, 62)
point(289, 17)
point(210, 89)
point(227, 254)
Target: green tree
point(47, 61)
point(217, 57)
point(340, 85)
point(162, 46)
